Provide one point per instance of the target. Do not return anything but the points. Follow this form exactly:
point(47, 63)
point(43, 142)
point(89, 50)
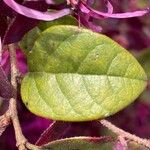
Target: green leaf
point(144, 60)
point(80, 143)
point(66, 20)
point(136, 146)
point(28, 40)
point(142, 3)
point(145, 97)
point(78, 75)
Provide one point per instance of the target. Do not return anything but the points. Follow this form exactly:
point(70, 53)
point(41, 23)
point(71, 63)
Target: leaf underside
point(78, 75)
point(80, 143)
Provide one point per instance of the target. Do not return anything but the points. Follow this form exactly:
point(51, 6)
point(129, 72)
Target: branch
point(4, 122)
point(124, 134)
point(21, 141)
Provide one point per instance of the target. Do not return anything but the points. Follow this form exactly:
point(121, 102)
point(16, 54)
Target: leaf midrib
point(115, 76)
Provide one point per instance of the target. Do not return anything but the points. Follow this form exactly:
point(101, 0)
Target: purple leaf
point(89, 24)
point(31, 13)
point(90, 2)
point(3, 25)
point(6, 89)
point(21, 62)
point(21, 24)
point(59, 130)
point(53, 132)
point(5, 10)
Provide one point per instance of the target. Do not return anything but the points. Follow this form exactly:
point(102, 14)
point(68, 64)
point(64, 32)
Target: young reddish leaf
point(60, 130)
point(55, 131)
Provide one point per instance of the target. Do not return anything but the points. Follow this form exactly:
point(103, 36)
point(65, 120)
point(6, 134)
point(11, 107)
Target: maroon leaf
point(59, 130)
point(5, 10)
point(3, 25)
point(21, 24)
point(53, 132)
point(6, 89)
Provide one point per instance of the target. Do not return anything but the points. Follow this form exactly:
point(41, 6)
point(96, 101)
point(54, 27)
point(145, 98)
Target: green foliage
point(144, 60)
point(66, 20)
point(79, 143)
point(28, 40)
point(135, 146)
point(78, 75)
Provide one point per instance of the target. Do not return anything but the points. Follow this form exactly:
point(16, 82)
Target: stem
point(20, 139)
point(32, 147)
point(4, 122)
point(125, 134)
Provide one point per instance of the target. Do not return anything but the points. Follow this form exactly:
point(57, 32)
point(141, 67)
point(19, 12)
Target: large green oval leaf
point(78, 75)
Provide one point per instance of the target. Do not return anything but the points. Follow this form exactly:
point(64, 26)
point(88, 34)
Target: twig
point(125, 134)
point(32, 147)
point(21, 141)
point(4, 122)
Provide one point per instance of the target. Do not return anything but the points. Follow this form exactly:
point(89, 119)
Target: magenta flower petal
point(84, 9)
point(89, 24)
point(49, 1)
point(110, 7)
point(31, 13)
point(97, 14)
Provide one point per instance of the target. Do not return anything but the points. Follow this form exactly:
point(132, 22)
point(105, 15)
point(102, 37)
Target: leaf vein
point(58, 83)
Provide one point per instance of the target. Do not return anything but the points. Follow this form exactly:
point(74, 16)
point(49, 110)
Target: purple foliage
point(59, 130)
point(20, 25)
point(21, 62)
point(6, 89)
